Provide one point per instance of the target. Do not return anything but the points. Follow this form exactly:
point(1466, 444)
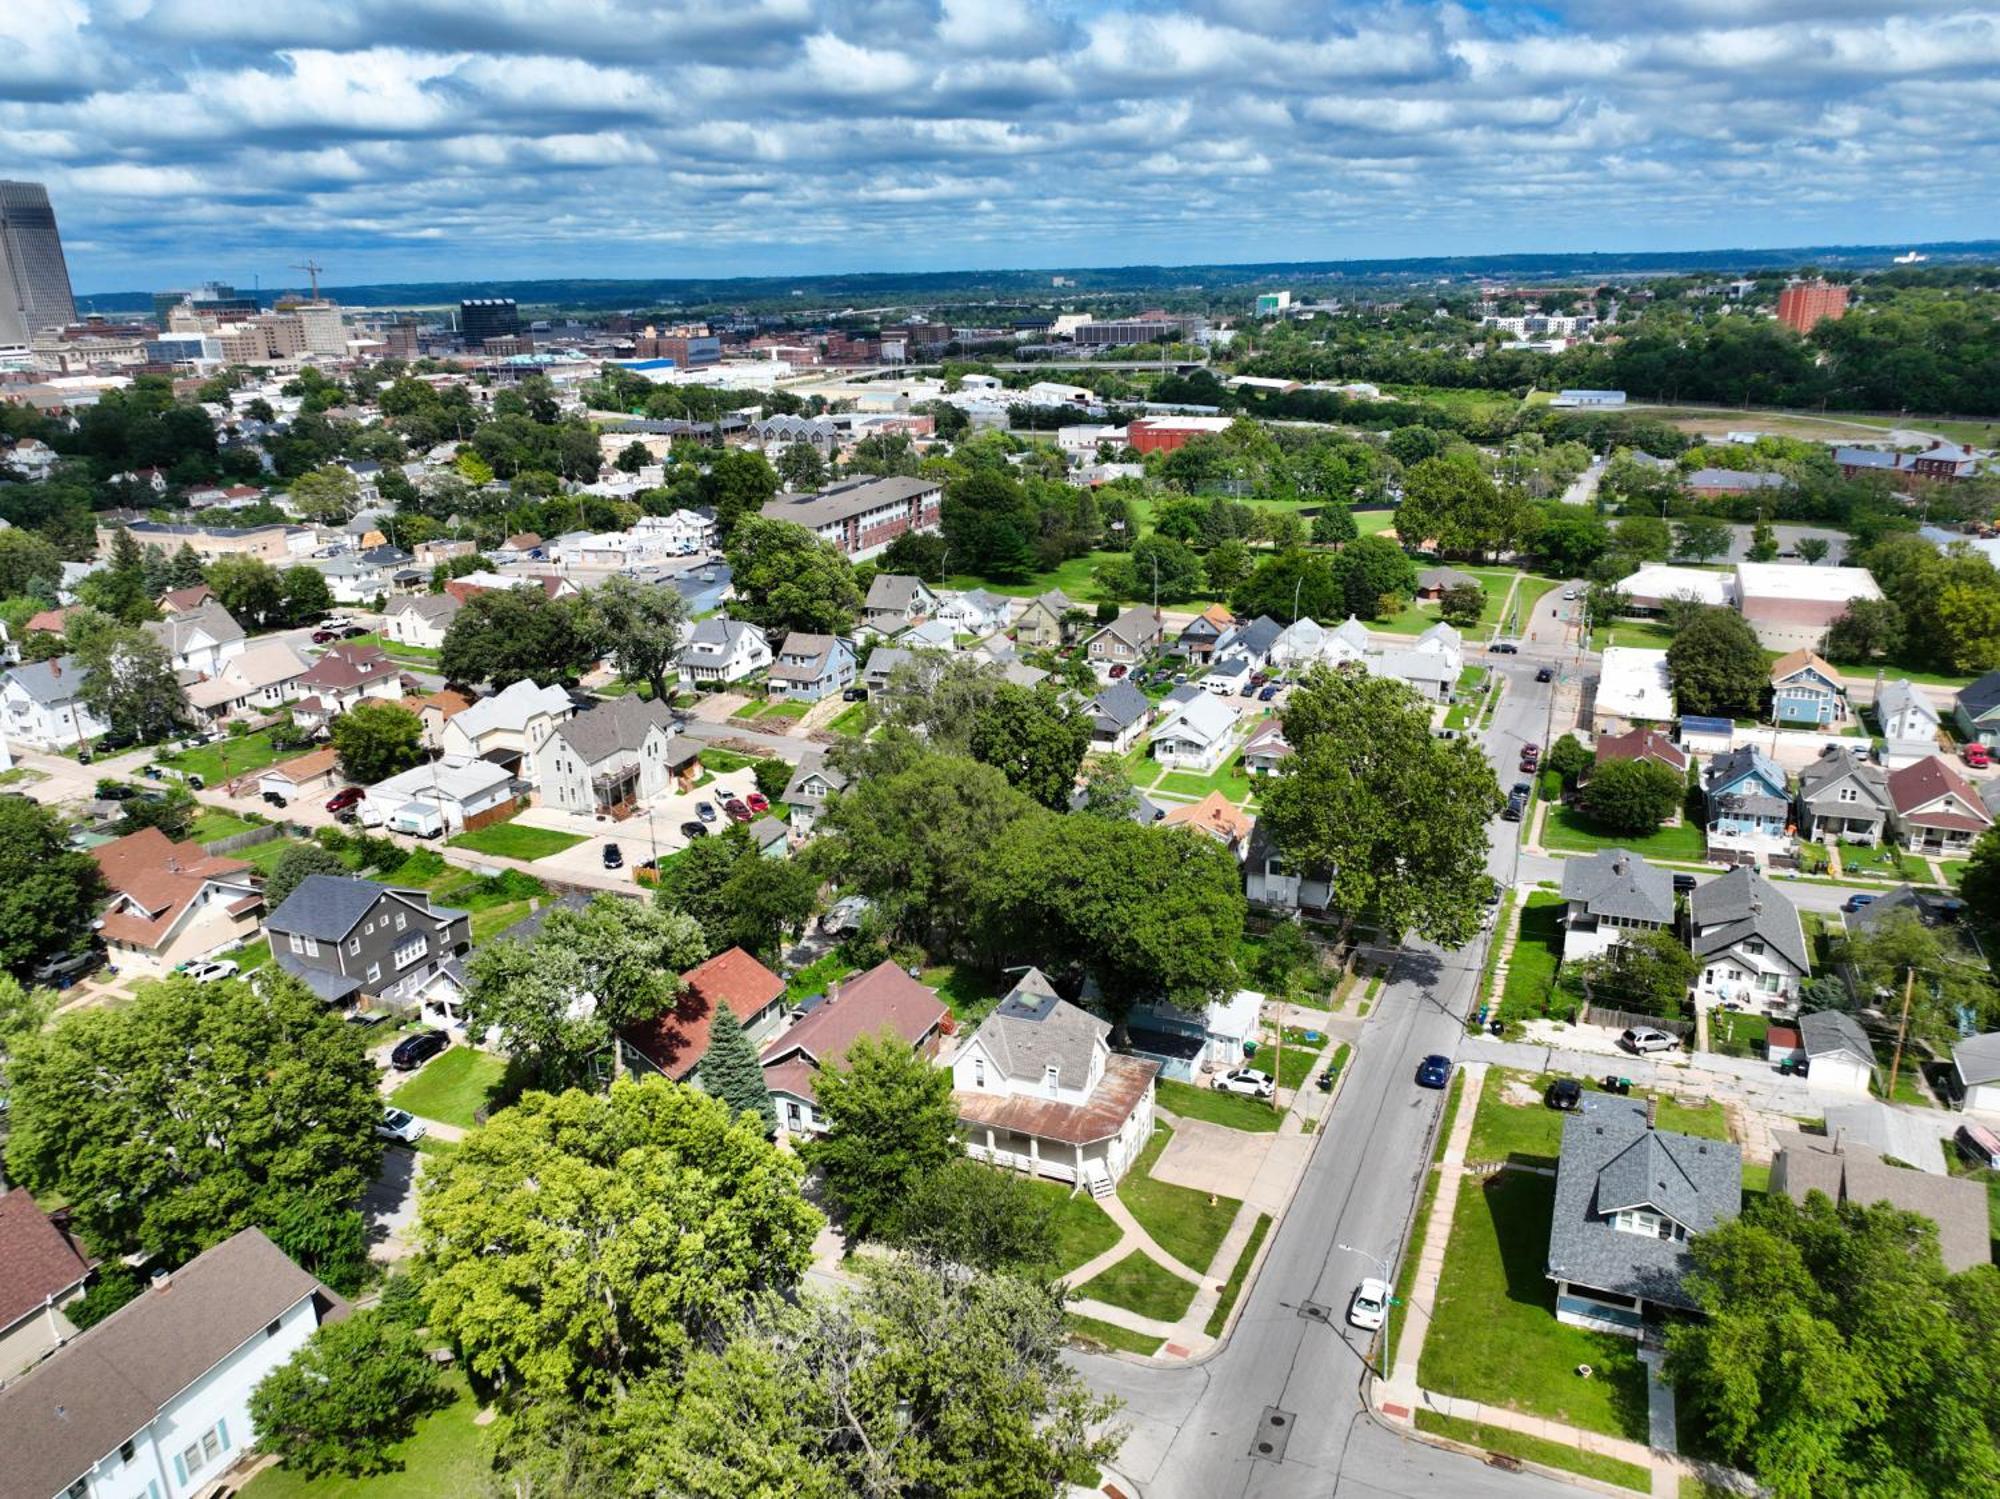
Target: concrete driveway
point(1209, 1158)
point(657, 825)
point(389, 1206)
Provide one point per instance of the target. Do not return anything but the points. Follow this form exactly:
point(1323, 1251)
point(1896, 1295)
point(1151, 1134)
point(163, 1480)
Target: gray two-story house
point(353, 940)
point(1843, 798)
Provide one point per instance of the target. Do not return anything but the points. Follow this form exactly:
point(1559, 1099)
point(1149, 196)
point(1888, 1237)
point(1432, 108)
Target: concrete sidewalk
point(1401, 1386)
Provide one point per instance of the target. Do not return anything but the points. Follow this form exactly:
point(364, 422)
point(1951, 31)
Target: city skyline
point(430, 139)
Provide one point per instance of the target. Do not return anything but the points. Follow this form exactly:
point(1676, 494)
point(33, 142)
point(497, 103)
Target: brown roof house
point(1643, 744)
point(1936, 811)
point(884, 999)
point(41, 1271)
point(171, 902)
point(155, 1399)
point(1849, 1172)
point(673, 1044)
point(1214, 816)
point(1039, 1089)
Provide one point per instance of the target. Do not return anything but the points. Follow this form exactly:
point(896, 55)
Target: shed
point(1842, 1057)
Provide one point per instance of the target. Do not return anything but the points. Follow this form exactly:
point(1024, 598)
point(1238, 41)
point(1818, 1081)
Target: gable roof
point(1979, 698)
point(1118, 707)
point(619, 724)
point(1977, 1059)
point(1033, 1028)
point(1901, 696)
point(53, 681)
point(1215, 815)
point(1138, 623)
point(1830, 1033)
point(1617, 882)
point(431, 606)
point(307, 767)
point(1203, 716)
point(177, 631)
point(810, 766)
point(326, 907)
point(1741, 905)
point(1795, 662)
point(156, 880)
point(1928, 780)
point(179, 600)
point(883, 998)
point(1838, 763)
point(349, 666)
point(676, 1040)
point(42, 1263)
point(1642, 744)
point(1744, 760)
point(513, 708)
point(895, 592)
point(1846, 1170)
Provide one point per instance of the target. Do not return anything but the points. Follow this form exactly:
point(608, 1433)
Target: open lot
point(218, 762)
point(1568, 830)
point(514, 840)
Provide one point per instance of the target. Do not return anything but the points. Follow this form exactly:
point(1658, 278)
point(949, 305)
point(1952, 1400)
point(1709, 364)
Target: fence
point(1620, 1020)
point(252, 838)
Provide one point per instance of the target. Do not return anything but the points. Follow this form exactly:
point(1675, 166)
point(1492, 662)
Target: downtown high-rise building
point(34, 281)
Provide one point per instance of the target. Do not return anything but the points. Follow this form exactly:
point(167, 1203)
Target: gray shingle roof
point(325, 907)
point(1837, 764)
point(326, 985)
point(1609, 1160)
point(55, 681)
point(893, 591)
point(620, 724)
point(1617, 882)
point(1901, 696)
point(1743, 904)
point(1978, 1059)
point(1828, 1033)
point(813, 766)
point(1034, 1028)
point(1981, 697)
point(1118, 706)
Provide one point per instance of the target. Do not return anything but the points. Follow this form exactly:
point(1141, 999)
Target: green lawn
point(723, 761)
point(816, 975)
point(1954, 870)
point(513, 840)
point(1737, 1035)
point(1531, 968)
point(1230, 1110)
point(1141, 1284)
point(1530, 1133)
point(1640, 634)
point(453, 1086)
point(1188, 1224)
point(218, 762)
point(1374, 522)
point(1233, 1287)
point(1083, 1229)
point(1528, 598)
point(1089, 1331)
point(1567, 830)
point(1231, 780)
point(256, 955)
point(1495, 1338)
point(214, 823)
point(969, 993)
point(1537, 1450)
point(1419, 616)
point(423, 655)
point(265, 856)
point(851, 720)
point(1884, 860)
point(446, 1454)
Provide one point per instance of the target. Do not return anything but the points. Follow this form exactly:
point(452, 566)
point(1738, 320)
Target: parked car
point(694, 830)
point(353, 632)
point(212, 972)
point(404, 1129)
point(705, 811)
point(1268, 693)
point(1434, 1071)
point(1117, 672)
point(1244, 1081)
point(736, 810)
point(1569, 595)
point(67, 969)
point(1976, 755)
point(756, 801)
point(193, 782)
point(614, 856)
point(855, 695)
point(344, 798)
point(1565, 1093)
point(1640, 1039)
point(115, 791)
point(1522, 789)
point(1854, 903)
point(275, 798)
point(1684, 884)
point(1514, 809)
point(325, 637)
point(1369, 1305)
point(1504, 648)
point(413, 1051)
point(1545, 674)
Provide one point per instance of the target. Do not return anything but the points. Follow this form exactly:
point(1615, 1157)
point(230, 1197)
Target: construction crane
point(312, 268)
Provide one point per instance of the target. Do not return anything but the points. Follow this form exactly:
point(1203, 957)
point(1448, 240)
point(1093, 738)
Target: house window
point(1769, 983)
point(1755, 947)
point(402, 920)
point(125, 1451)
point(298, 943)
point(978, 1072)
point(1049, 1077)
point(1849, 794)
point(374, 972)
point(312, 947)
point(354, 947)
point(271, 1331)
point(412, 950)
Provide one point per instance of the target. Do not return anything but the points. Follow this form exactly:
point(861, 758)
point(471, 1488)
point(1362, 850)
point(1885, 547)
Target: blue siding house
point(1805, 689)
point(1747, 799)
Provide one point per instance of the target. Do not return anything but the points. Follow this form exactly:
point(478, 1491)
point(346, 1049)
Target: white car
point(1569, 595)
point(1370, 1304)
point(1644, 1038)
point(1243, 1080)
point(396, 1125)
point(211, 973)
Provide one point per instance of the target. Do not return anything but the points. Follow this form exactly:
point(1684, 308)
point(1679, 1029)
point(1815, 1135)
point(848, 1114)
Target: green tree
point(295, 865)
point(645, 624)
point(890, 1122)
point(1373, 577)
point(23, 1013)
point(1568, 539)
point(1463, 604)
point(1227, 564)
point(376, 739)
point(1650, 972)
point(250, 589)
point(632, 457)
point(1569, 759)
point(970, 1215)
point(1763, 543)
point(1334, 525)
point(173, 813)
point(1398, 816)
point(1642, 538)
point(306, 595)
point(772, 776)
point(1157, 567)
point(195, 1111)
point(1980, 885)
point(1870, 629)
point(1702, 537)
point(130, 683)
point(801, 467)
point(1814, 549)
point(769, 901)
point(49, 890)
point(329, 494)
point(578, 1239)
point(730, 1070)
point(1717, 667)
point(27, 562)
point(1451, 501)
point(786, 578)
point(355, 1389)
point(1631, 797)
point(1892, 948)
point(738, 482)
point(1032, 738)
point(504, 635)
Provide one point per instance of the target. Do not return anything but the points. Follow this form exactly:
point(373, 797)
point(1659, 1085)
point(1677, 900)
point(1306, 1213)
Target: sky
point(407, 140)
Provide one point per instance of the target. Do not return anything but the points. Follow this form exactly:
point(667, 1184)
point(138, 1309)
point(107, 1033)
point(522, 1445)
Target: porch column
point(1035, 1155)
point(991, 1153)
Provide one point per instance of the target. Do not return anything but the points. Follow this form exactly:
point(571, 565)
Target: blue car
point(1433, 1071)
point(1268, 693)
point(1856, 902)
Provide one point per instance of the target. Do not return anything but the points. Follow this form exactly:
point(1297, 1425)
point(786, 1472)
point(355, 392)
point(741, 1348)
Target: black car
point(693, 830)
point(413, 1051)
point(115, 791)
point(1521, 789)
point(1514, 808)
point(1545, 674)
point(275, 798)
point(855, 695)
point(1684, 884)
point(1565, 1093)
point(614, 856)
point(1504, 648)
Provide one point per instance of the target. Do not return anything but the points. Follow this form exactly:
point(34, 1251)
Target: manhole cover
point(1315, 1311)
point(1274, 1433)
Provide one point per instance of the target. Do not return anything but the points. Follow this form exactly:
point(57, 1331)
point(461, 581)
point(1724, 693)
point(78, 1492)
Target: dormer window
point(1648, 1224)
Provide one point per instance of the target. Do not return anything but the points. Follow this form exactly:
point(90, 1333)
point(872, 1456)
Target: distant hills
point(872, 288)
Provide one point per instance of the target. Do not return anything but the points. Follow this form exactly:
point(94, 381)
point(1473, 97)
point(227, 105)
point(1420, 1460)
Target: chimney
point(55, 666)
point(833, 991)
point(1653, 1112)
point(162, 1281)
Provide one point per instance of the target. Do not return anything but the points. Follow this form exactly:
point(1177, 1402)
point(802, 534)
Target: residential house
point(1941, 460)
point(44, 707)
point(259, 681)
point(1048, 620)
point(1609, 894)
point(807, 792)
point(420, 619)
point(1039, 1089)
point(1749, 803)
point(1629, 1197)
point(1214, 816)
point(1643, 744)
point(895, 601)
point(1436, 582)
point(1841, 1058)
point(343, 677)
point(1270, 879)
point(1127, 640)
point(46, 1271)
point(154, 1401)
point(723, 650)
point(438, 709)
point(509, 728)
point(172, 903)
point(1198, 638)
point(1188, 1041)
point(770, 836)
point(1444, 640)
point(349, 939)
point(316, 771)
point(1843, 798)
point(881, 665)
point(1227, 678)
point(1429, 674)
point(524, 547)
point(1118, 716)
point(928, 635)
point(1976, 1060)
point(672, 1044)
point(1806, 690)
point(885, 998)
point(200, 640)
point(1935, 809)
point(975, 612)
point(1747, 937)
point(1850, 1172)
point(1931, 907)
point(609, 760)
point(1909, 720)
point(552, 585)
point(181, 600)
point(443, 798)
point(1195, 734)
point(1977, 712)
point(1633, 687)
point(352, 579)
point(809, 667)
point(1267, 748)
point(1250, 640)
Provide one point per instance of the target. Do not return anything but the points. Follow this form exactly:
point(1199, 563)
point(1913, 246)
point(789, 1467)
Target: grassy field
point(1230, 1110)
point(1233, 1287)
point(513, 840)
point(265, 856)
point(1232, 780)
point(1419, 616)
point(1567, 829)
point(1189, 1225)
point(214, 823)
point(1537, 1450)
point(216, 763)
point(1531, 969)
point(451, 1087)
point(1639, 634)
point(446, 1454)
point(1141, 1284)
point(1494, 1337)
point(773, 708)
point(1091, 1332)
point(1823, 426)
point(850, 720)
point(969, 993)
point(423, 655)
point(1374, 522)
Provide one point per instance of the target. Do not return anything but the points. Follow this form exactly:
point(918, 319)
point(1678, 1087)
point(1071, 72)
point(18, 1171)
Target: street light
point(1389, 1300)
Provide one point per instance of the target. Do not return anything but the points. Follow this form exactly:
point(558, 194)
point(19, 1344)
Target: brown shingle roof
point(676, 1041)
point(883, 998)
point(306, 767)
point(349, 666)
point(159, 877)
point(1642, 744)
point(1111, 1102)
point(39, 1261)
point(1928, 780)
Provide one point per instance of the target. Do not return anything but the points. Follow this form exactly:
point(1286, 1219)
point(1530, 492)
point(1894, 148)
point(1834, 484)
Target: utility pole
point(1902, 1029)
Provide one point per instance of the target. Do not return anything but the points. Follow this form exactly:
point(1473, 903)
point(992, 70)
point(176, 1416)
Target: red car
point(341, 800)
point(756, 801)
point(736, 810)
point(1977, 756)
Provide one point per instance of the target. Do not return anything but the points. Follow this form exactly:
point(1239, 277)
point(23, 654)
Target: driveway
point(389, 1206)
point(656, 827)
point(1209, 1158)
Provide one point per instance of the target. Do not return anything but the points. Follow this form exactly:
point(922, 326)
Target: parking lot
point(657, 826)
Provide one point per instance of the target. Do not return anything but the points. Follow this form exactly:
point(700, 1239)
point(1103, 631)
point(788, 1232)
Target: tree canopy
point(1717, 667)
point(890, 1123)
point(786, 578)
point(504, 635)
point(49, 890)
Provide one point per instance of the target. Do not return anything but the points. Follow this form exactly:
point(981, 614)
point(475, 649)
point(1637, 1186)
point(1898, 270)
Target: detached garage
point(1842, 1057)
point(1977, 1060)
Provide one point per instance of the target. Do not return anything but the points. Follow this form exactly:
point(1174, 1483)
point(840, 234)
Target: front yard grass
point(265, 856)
point(1233, 1287)
point(1083, 1229)
point(1187, 1224)
point(851, 720)
point(1139, 1283)
point(1881, 859)
point(1089, 1331)
point(1231, 780)
point(513, 840)
point(451, 1088)
point(218, 762)
point(1567, 830)
point(214, 823)
point(1541, 1450)
point(969, 993)
point(1530, 1133)
point(1531, 968)
point(1230, 1110)
point(1495, 1338)
point(448, 1453)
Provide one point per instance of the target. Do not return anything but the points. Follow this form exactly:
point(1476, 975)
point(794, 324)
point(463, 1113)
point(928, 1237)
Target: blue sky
point(438, 139)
